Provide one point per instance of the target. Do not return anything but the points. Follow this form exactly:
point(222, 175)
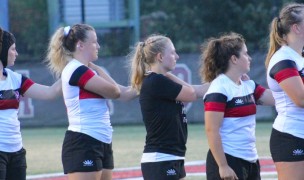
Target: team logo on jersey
point(239, 102)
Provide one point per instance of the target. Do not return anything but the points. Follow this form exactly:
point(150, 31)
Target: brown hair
point(280, 26)
point(216, 53)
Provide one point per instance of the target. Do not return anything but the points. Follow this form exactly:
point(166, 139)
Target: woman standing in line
point(285, 65)
point(87, 147)
point(230, 109)
point(12, 86)
point(161, 97)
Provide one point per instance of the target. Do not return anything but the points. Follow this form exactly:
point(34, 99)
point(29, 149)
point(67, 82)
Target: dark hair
point(7, 39)
point(216, 53)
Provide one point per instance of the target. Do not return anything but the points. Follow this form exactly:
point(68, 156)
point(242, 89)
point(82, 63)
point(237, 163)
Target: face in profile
point(91, 46)
point(12, 55)
point(169, 57)
point(244, 60)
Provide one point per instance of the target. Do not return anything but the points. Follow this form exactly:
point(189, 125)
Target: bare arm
point(43, 92)
point(266, 98)
point(187, 94)
point(201, 90)
point(294, 88)
point(127, 93)
point(213, 122)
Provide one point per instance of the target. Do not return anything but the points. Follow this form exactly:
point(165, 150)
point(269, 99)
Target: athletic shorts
point(13, 165)
point(285, 147)
point(243, 169)
point(83, 153)
point(163, 170)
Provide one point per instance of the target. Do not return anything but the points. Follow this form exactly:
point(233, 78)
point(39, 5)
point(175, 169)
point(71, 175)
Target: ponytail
point(138, 66)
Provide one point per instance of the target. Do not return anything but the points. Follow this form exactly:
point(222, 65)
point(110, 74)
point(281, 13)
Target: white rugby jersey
point(286, 63)
point(88, 112)
point(238, 104)
point(10, 90)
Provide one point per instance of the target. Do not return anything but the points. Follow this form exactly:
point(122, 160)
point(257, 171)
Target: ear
point(233, 59)
point(159, 57)
point(295, 28)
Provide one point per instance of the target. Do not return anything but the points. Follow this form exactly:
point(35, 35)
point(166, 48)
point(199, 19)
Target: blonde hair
point(143, 55)
point(63, 44)
point(280, 26)
point(216, 53)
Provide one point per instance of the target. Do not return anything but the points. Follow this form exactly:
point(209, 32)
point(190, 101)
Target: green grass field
point(43, 146)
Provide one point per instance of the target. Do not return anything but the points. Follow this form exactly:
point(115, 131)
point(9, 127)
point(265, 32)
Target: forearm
point(127, 93)
point(176, 79)
point(216, 147)
point(201, 90)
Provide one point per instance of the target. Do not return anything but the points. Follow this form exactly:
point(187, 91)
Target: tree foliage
point(187, 22)
point(29, 23)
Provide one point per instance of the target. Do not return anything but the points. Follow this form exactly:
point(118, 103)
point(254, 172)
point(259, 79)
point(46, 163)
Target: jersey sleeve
point(81, 76)
point(164, 87)
point(258, 91)
point(215, 102)
point(283, 70)
point(26, 83)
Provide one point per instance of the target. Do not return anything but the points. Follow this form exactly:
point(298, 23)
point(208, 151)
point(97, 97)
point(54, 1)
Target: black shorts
point(163, 170)
point(243, 169)
point(83, 153)
point(285, 147)
point(13, 165)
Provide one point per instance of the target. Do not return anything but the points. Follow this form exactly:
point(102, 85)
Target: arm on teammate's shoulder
point(43, 92)
point(127, 93)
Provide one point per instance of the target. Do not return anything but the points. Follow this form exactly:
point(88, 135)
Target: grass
point(43, 146)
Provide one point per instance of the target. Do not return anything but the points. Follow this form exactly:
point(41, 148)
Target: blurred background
point(122, 23)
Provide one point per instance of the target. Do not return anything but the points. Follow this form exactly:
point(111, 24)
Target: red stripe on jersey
point(85, 78)
point(9, 104)
point(286, 73)
point(84, 94)
point(215, 106)
point(240, 111)
point(258, 92)
point(25, 85)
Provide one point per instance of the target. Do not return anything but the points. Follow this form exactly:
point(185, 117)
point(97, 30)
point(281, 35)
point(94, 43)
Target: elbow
point(116, 93)
point(299, 103)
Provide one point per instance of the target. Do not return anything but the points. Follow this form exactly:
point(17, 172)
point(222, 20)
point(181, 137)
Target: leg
point(106, 174)
point(85, 175)
point(16, 170)
point(290, 170)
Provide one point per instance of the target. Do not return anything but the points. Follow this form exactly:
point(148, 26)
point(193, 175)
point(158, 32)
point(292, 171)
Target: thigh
point(255, 171)
point(85, 175)
point(3, 164)
point(164, 170)
point(290, 170)
point(106, 174)
point(17, 166)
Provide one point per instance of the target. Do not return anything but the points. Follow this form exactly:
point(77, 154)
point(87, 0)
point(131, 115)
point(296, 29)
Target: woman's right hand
point(227, 173)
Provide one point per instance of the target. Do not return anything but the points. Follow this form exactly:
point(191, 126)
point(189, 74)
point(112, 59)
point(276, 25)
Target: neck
point(81, 59)
point(296, 44)
point(158, 69)
point(235, 77)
